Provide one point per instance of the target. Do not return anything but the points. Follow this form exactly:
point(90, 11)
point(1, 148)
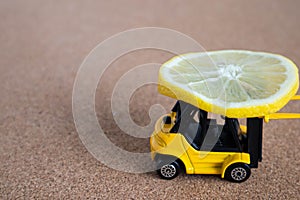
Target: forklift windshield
point(204, 133)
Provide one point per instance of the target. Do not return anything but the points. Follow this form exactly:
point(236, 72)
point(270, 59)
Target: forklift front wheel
point(238, 172)
point(169, 171)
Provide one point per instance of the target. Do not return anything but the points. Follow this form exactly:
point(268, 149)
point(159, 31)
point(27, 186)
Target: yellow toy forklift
point(192, 140)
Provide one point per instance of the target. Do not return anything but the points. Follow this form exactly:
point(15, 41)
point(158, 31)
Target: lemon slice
point(235, 83)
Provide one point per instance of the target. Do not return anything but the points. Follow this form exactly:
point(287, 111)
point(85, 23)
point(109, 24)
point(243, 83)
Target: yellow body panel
point(235, 158)
point(196, 162)
point(174, 147)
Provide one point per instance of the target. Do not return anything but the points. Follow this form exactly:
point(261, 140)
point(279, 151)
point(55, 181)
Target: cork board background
point(43, 43)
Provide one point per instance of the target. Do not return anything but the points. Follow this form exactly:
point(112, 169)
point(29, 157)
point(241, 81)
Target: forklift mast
point(254, 140)
point(254, 133)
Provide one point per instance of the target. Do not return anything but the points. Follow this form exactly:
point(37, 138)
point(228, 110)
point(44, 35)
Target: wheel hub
point(168, 171)
point(238, 173)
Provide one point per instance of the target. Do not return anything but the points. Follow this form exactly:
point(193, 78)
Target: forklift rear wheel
point(238, 172)
point(169, 171)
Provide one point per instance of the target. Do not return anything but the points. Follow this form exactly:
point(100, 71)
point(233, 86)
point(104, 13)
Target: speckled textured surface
point(42, 46)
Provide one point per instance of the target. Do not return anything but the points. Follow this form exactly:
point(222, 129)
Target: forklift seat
point(192, 135)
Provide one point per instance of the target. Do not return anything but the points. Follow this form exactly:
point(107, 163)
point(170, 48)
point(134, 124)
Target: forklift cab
point(188, 139)
point(205, 133)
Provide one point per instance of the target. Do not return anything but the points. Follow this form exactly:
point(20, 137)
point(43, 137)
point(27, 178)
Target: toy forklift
point(188, 140)
point(214, 90)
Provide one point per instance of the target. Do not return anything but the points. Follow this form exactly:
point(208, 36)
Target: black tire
point(168, 171)
point(238, 172)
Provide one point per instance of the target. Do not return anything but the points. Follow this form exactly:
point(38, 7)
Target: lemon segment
point(235, 83)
